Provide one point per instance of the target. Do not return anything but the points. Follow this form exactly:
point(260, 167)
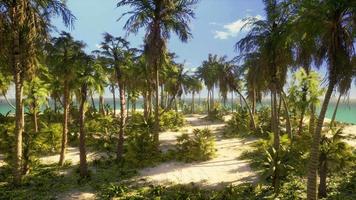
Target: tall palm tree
point(207, 73)
point(268, 38)
point(332, 25)
point(117, 55)
point(159, 18)
point(63, 55)
point(195, 86)
point(88, 74)
point(26, 23)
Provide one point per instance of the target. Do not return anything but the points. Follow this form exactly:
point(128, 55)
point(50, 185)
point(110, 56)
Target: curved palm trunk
point(312, 119)
point(7, 100)
point(323, 170)
point(82, 150)
point(335, 111)
point(314, 157)
point(253, 123)
point(65, 123)
point(120, 146)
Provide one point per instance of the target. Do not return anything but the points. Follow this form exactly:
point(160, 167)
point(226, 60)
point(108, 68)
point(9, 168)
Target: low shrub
point(198, 147)
point(48, 139)
point(141, 148)
point(239, 124)
point(171, 120)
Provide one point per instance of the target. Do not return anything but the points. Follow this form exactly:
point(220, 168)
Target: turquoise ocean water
point(346, 111)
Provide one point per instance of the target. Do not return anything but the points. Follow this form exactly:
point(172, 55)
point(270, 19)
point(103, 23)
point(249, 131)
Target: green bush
point(198, 147)
point(171, 120)
point(101, 132)
point(239, 124)
point(141, 148)
point(48, 139)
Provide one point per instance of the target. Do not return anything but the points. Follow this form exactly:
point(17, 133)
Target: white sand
point(72, 155)
point(226, 167)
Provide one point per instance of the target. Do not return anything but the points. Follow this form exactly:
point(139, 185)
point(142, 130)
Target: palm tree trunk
point(128, 103)
point(114, 98)
point(254, 101)
point(314, 157)
point(232, 101)
point(101, 104)
point(120, 146)
point(312, 119)
point(276, 139)
point(82, 150)
point(288, 122)
point(208, 102)
point(212, 99)
point(19, 125)
point(193, 93)
point(149, 103)
point(162, 96)
point(304, 98)
point(65, 123)
point(198, 99)
point(145, 105)
point(93, 102)
point(18, 80)
point(156, 124)
point(323, 170)
point(335, 111)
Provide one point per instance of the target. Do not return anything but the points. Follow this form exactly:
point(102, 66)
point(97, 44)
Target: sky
point(216, 27)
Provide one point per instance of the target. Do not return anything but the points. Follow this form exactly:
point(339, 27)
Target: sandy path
point(350, 133)
point(226, 167)
point(72, 155)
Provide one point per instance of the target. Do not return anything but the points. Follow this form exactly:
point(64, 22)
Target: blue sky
point(215, 29)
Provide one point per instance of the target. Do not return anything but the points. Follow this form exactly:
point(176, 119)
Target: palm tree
point(63, 55)
point(117, 55)
point(195, 86)
point(26, 24)
point(159, 18)
point(88, 75)
point(335, 155)
point(333, 29)
point(207, 73)
point(268, 39)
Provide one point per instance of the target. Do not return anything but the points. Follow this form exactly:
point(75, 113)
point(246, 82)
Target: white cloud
point(233, 29)
point(98, 46)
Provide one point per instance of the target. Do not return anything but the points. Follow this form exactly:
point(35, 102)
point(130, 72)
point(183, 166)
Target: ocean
point(346, 111)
